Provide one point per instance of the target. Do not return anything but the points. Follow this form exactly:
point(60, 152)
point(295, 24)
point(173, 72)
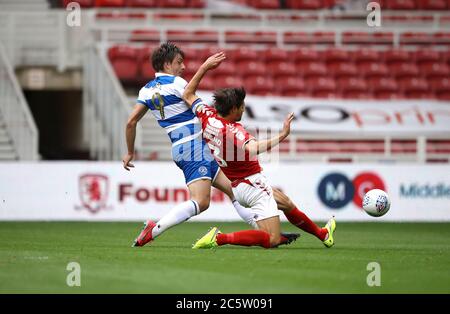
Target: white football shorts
point(256, 193)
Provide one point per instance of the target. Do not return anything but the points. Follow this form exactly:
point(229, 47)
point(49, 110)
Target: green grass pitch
point(413, 258)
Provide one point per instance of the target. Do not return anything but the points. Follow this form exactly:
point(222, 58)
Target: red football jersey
point(226, 141)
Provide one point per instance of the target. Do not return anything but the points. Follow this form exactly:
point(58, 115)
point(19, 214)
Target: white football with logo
point(376, 203)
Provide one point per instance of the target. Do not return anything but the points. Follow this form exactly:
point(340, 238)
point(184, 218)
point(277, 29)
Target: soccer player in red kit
point(236, 153)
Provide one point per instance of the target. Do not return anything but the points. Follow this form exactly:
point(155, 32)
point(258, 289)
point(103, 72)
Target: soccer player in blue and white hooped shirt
point(163, 97)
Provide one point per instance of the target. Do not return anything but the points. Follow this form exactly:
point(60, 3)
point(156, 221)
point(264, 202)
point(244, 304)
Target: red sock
point(300, 220)
point(245, 238)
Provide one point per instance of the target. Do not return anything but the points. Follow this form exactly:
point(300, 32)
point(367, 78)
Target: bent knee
point(284, 203)
point(203, 203)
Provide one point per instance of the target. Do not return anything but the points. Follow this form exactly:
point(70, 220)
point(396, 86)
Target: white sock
point(245, 214)
point(178, 214)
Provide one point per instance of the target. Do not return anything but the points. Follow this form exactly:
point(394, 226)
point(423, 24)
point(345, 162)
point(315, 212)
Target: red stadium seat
point(383, 84)
point(421, 95)
point(435, 70)
point(373, 69)
point(196, 4)
point(228, 81)
point(343, 69)
point(445, 56)
point(414, 84)
point(349, 38)
point(400, 4)
point(226, 68)
point(119, 16)
point(259, 85)
point(142, 3)
point(304, 4)
point(248, 68)
point(265, 38)
point(336, 55)
point(440, 84)
point(357, 95)
point(192, 54)
point(396, 55)
point(147, 72)
point(172, 3)
point(404, 69)
point(124, 61)
point(311, 69)
point(414, 87)
point(265, 4)
point(244, 54)
point(275, 54)
point(206, 37)
point(240, 37)
point(145, 53)
point(109, 3)
point(82, 3)
point(389, 95)
point(122, 52)
point(309, 38)
point(441, 38)
point(432, 4)
point(416, 38)
point(363, 38)
point(281, 68)
point(305, 55)
point(366, 55)
point(290, 86)
point(177, 17)
point(208, 51)
point(191, 67)
point(441, 88)
point(321, 84)
point(326, 94)
point(427, 55)
point(180, 36)
point(145, 35)
point(352, 84)
point(443, 96)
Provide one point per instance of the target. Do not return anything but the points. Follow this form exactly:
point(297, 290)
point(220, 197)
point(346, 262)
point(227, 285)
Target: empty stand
point(359, 74)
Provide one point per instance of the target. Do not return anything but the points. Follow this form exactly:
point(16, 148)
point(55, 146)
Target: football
point(376, 203)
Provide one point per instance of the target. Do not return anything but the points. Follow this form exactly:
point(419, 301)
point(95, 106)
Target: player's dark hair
point(165, 53)
point(226, 99)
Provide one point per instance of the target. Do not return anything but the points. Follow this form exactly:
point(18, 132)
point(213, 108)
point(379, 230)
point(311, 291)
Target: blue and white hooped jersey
point(163, 96)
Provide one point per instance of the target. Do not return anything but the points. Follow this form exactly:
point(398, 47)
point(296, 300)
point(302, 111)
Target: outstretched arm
point(130, 133)
point(211, 63)
point(257, 147)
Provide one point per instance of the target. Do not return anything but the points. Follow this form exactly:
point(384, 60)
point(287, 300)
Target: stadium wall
point(104, 191)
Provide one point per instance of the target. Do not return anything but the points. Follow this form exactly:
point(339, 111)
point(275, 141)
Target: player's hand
point(287, 124)
point(127, 161)
point(214, 61)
